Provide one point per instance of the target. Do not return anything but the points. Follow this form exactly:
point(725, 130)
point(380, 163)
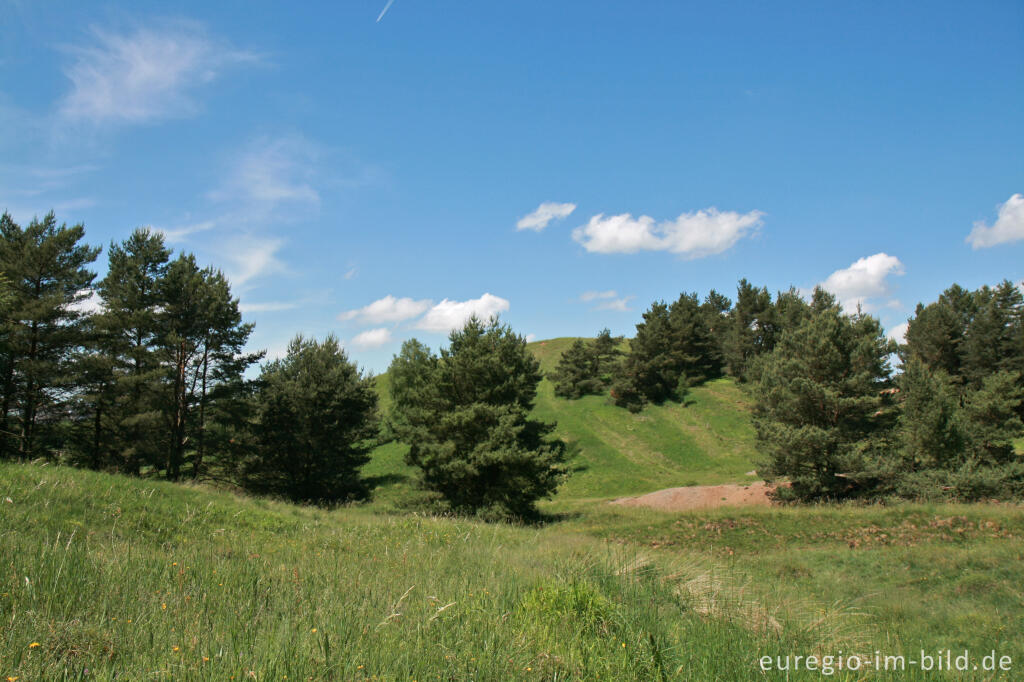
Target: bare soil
point(703, 497)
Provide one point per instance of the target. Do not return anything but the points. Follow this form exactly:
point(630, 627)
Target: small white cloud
point(252, 257)
point(351, 273)
point(1009, 225)
point(146, 75)
point(388, 309)
point(372, 338)
point(899, 333)
point(178, 234)
point(620, 305)
point(448, 315)
point(530, 338)
point(692, 235)
point(863, 280)
point(545, 213)
point(268, 307)
point(588, 296)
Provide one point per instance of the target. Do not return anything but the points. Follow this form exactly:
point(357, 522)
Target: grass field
point(104, 577)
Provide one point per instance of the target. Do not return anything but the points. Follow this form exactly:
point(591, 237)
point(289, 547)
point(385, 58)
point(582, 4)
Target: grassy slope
point(900, 578)
point(707, 440)
point(149, 580)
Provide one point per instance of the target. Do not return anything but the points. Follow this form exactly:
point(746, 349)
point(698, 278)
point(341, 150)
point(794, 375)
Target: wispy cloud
point(692, 235)
point(448, 315)
point(588, 296)
point(252, 258)
point(619, 305)
point(269, 172)
point(387, 309)
point(1008, 227)
point(865, 280)
point(607, 300)
point(371, 338)
point(145, 75)
point(178, 234)
point(544, 214)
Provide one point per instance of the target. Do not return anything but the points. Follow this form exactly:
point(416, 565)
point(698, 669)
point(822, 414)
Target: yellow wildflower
point(174, 649)
point(33, 645)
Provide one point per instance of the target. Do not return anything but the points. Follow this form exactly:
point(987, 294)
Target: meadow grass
point(107, 577)
point(897, 578)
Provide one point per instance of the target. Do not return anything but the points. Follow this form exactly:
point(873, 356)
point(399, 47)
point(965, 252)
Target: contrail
point(385, 10)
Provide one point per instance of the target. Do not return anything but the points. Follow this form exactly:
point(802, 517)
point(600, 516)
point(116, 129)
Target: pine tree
point(749, 331)
point(199, 330)
point(578, 372)
point(465, 417)
point(127, 333)
point(931, 428)
point(316, 422)
point(817, 395)
point(46, 266)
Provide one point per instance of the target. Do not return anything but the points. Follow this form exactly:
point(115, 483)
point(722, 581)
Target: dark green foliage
point(127, 332)
point(464, 415)
point(819, 399)
point(587, 367)
point(931, 426)
point(42, 330)
point(991, 413)
point(674, 349)
point(750, 330)
point(199, 343)
point(578, 373)
point(316, 422)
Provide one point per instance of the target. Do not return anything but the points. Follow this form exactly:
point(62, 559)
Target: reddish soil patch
point(703, 497)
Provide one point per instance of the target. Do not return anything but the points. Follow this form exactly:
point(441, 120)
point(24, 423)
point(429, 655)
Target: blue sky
point(561, 163)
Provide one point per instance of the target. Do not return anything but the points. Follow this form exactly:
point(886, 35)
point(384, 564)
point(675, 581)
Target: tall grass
point(112, 578)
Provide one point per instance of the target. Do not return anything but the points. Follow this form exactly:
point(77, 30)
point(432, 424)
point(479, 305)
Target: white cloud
point(693, 235)
point(253, 257)
point(545, 213)
point(530, 338)
point(865, 279)
point(899, 333)
point(620, 305)
point(448, 315)
point(588, 296)
point(272, 171)
point(1009, 225)
point(372, 338)
point(146, 75)
point(607, 300)
point(178, 234)
point(388, 309)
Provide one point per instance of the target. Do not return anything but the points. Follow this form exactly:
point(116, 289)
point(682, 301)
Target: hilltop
point(706, 440)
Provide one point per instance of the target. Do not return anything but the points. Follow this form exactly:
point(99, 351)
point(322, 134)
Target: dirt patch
point(702, 497)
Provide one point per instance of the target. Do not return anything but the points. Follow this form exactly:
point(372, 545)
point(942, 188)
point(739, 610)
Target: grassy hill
point(106, 577)
point(706, 440)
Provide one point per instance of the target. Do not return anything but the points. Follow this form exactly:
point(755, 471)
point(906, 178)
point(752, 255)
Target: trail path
point(702, 497)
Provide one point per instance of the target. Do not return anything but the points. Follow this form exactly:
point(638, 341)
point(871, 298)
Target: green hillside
point(108, 577)
point(706, 440)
